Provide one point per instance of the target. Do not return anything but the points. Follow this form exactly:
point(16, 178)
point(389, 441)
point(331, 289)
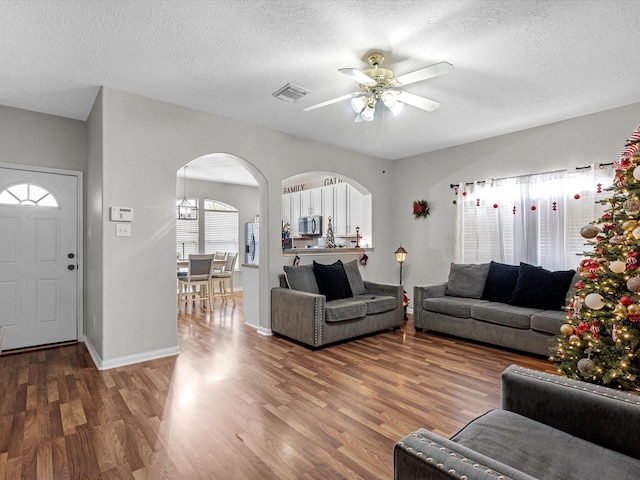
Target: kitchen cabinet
point(327, 195)
point(291, 211)
point(342, 202)
point(340, 219)
point(354, 210)
point(311, 202)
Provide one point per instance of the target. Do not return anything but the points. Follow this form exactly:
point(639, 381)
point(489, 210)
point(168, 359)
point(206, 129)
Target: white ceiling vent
point(290, 93)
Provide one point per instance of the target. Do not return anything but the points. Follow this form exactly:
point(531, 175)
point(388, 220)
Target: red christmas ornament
point(495, 205)
point(634, 318)
point(579, 286)
point(464, 194)
point(577, 196)
point(555, 206)
point(477, 202)
point(626, 300)
point(533, 208)
point(599, 189)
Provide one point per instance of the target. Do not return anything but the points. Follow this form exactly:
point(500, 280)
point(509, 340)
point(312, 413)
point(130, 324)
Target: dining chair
point(218, 257)
point(224, 276)
point(198, 276)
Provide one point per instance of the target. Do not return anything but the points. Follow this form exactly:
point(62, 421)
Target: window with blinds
point(187, 238)
point(220, 228)
point(533, 218)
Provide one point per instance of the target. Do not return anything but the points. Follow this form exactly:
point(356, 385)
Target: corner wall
point(596, 138)
point(144, 143)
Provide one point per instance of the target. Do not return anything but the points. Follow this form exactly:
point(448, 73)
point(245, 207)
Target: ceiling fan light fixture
point(368, 113)
point(358, 103)
point(397, 108)
point(390, 99)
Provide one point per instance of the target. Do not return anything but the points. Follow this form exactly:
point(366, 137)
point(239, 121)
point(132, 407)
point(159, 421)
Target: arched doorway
point(223, 178)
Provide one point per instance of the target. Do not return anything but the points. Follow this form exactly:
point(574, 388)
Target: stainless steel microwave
point(310, 225)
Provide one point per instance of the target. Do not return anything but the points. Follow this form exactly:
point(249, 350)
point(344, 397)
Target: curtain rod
point(588, 167)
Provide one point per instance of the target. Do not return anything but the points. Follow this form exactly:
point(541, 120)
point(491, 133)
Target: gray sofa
point(521, 318)
point(300, 312)
point(549, 427)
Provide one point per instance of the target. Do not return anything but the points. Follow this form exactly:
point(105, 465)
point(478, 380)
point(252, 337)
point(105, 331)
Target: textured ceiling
point(518, 64)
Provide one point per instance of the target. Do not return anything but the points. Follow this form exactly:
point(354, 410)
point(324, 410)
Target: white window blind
point(533, 218)
point(220, 228)
point(187, 235)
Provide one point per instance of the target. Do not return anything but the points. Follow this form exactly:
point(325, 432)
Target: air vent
point(290, 93)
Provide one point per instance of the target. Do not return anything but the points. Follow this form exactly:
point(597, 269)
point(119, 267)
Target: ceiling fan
point(380, 84)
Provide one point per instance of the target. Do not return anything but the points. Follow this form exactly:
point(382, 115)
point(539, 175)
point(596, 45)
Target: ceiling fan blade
point(419, 102)
point(356, 75)
point(425, 73)
point(328, 102)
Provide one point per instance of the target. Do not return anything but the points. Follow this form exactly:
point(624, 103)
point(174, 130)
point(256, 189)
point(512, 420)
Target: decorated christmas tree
point(600, 342)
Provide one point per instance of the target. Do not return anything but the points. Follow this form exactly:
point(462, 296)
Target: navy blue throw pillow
point(501, 282)
point(332, 280)
point(540, 288)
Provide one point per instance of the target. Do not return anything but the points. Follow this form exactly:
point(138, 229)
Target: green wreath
point(420, 208)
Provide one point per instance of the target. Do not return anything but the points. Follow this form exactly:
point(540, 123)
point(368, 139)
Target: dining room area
point(216, 197)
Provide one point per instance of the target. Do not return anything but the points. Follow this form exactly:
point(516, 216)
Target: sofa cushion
point(455, 306)
point(344, 309)
point(540, 288)
point(503, 314)
point(301, 278)
point(355, 279)
point(467, 280)
point(548, 321)
point(542, 451)
point(501, 282)
point(377, 303)
point(332, 280)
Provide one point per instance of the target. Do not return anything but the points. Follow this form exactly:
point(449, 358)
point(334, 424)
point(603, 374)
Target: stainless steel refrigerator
point(252, 243)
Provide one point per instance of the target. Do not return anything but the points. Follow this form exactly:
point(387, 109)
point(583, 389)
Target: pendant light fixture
point(185, 210)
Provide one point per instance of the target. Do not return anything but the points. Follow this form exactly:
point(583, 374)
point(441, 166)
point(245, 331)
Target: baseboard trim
point(127, 359)
point(265, 332)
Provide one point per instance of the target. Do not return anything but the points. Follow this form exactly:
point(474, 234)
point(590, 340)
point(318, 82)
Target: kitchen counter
point(323, 251)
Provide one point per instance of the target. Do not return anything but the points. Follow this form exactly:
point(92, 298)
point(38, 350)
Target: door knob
point(71, 255)
point(71, 267)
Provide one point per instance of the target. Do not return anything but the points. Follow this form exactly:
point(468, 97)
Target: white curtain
point(532, 218)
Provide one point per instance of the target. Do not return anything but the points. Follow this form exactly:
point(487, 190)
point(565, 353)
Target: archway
point(229, 179)
point(323, 193)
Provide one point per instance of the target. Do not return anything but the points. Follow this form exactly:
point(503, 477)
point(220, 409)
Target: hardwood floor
point(236, 405)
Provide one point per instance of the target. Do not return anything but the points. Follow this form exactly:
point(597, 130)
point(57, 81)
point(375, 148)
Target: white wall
point(596, 138)
point(144, 143)
point(30, 138)
point(245, 199)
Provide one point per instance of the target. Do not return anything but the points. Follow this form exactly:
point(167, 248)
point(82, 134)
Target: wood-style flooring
point(237, 405)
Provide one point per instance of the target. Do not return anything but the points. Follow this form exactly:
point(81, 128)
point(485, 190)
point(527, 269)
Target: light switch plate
point(123, 229)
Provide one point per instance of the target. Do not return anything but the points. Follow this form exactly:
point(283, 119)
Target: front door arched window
point(28, 194)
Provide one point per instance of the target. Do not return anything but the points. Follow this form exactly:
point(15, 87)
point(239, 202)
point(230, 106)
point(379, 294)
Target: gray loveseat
point(549, 428)
point(300, 312)
point(513, 306)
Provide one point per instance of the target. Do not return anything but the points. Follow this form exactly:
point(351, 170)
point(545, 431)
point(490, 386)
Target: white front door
point(38, 257)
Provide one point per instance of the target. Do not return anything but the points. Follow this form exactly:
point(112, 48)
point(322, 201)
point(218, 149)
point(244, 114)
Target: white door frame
point(80, 231)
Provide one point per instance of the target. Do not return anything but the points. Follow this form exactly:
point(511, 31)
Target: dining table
point(182, 265)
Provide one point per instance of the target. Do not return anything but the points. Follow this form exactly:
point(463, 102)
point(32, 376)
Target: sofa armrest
point(298, 315)
point(419, 294)
point(598, 414)
point(425, 455)
point(387, 289)
point(390, 290)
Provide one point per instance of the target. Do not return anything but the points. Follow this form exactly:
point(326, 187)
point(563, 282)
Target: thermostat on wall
point(121, 214)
